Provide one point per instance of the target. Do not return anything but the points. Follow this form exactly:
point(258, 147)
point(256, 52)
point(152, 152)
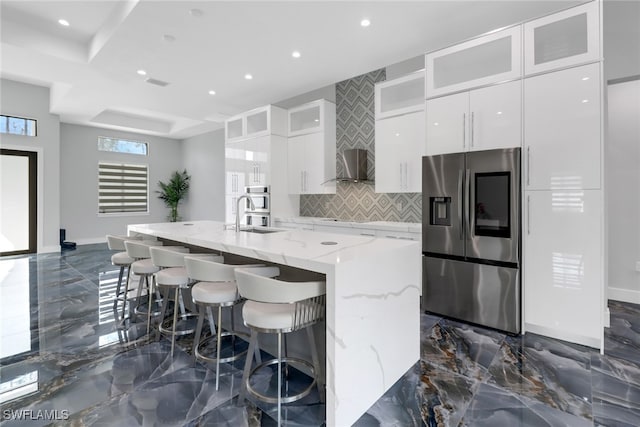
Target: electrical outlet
point(638, 266)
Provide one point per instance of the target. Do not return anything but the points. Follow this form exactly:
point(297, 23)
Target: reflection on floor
point(63, 357)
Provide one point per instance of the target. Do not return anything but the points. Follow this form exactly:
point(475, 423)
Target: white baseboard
point(565, 336)
point(625, 295)
point(91, 241)
point(49, 249)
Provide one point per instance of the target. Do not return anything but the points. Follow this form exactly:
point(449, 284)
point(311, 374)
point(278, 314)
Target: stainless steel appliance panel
point(258, 220)
point(443, 204)
point(478, 293)
point(492, 214)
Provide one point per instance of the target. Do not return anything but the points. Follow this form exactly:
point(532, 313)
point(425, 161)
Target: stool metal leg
point(196, 339)
point(175, 321)
point(316, 362)
point(150, 294)
point(253, 347)
point(118, 286)
point(218, 345)
point(279, 378)
point(165, 303)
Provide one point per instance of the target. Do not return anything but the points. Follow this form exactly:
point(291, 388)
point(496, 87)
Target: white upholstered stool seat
point(278, 307)
point(214, 292)
point(121, 259)
point(173, 276)
point(143, 267)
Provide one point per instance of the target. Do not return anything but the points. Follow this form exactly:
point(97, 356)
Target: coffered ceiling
point(195, 47)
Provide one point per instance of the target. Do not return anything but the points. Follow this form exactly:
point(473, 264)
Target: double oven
point(260, 214)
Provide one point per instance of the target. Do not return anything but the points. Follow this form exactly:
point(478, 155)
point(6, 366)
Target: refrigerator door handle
point(460, 201)
point(467, 211)
point(464, 131)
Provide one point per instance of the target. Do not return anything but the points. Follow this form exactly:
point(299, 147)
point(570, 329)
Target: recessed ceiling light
point(365, 22)
point(63, 22)
point(142, 72)
point(168, 38)
point(295, 54)
point(196, 13)
point(212, 92)
point(584, 79)
point(584, 101)
point(248, 76)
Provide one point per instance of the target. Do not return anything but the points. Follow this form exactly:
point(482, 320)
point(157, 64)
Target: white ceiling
point(91, 65)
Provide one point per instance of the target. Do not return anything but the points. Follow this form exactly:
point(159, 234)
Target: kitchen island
point(373, 301)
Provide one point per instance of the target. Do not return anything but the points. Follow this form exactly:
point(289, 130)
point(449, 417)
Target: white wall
point(79, 181)
point(203, 157)
point(30, 101)
point(622, 163)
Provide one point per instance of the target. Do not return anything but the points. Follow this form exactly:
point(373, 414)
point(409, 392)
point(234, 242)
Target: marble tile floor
point(61, 354)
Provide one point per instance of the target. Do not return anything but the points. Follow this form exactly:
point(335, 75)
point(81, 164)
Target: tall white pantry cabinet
point(256, 155)
point(538, 86)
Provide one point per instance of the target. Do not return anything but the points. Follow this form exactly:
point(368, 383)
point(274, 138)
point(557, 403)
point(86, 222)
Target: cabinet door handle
point(464, 130)
point(472, 130)
point(528, 215)
point(528, 165)
point(391, 237)
point(401, 175)
point(301, 181)
point(368, 234)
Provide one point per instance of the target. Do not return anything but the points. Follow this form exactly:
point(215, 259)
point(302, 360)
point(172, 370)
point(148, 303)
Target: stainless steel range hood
point(354, 162)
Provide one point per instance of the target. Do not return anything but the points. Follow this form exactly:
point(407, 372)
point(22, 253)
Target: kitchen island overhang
point(373, 301)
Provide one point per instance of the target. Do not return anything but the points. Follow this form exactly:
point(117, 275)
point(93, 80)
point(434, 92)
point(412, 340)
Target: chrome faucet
point(253, 207)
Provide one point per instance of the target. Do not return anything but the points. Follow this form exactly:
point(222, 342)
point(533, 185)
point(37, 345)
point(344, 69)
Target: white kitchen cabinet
point(563, 267)
point(567, 38)
point(312, 117)
point(480, 119)
point(257, 160)
point(311, 150)
point(485, 60)
point(400, 145)
point(231, 204)
point(312, 164)
point(267, 120)
point(403, 95)
point(562, 121)
point(235, 167)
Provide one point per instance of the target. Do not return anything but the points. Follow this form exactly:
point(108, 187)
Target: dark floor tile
point(460, 348)
point(550, 371)
point(622, 338)
point(493, 406)
point(616, 390)
point(444, 395)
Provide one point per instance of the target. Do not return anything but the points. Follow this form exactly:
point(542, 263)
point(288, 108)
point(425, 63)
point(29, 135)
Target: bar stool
point(120, 259)
point(215, 288)
point(142, 266)
point(275, 306)
point(172, 276)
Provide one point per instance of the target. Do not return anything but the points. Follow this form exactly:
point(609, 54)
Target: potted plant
point(173, 192)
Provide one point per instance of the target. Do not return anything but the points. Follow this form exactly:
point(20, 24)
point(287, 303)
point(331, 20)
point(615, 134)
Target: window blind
point(122, 188)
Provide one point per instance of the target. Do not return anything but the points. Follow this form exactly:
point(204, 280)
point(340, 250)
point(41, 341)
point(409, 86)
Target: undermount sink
point(259, 230)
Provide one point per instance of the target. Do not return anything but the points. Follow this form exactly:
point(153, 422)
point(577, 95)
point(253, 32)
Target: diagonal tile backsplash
point(355, 128)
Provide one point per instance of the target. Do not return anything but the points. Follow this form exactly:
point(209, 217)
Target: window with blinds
point(123, 188)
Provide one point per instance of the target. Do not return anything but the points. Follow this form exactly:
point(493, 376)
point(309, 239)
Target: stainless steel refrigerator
point(471, 236)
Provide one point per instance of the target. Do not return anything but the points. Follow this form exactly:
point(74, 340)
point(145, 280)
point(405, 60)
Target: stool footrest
point(204, 343)
point(183, 327)
point(284, 399)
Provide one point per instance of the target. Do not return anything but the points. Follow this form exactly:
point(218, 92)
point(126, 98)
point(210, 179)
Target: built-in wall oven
point(260, 214)
point(471, 237)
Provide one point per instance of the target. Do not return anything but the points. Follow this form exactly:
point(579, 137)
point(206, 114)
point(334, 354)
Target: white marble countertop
point(297, 248)
point(409, 227)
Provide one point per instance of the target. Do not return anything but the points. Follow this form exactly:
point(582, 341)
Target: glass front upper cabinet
point(488, 59)
point(563, 39)
point(400, 96)
point(308, 118)
point(258, 122)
